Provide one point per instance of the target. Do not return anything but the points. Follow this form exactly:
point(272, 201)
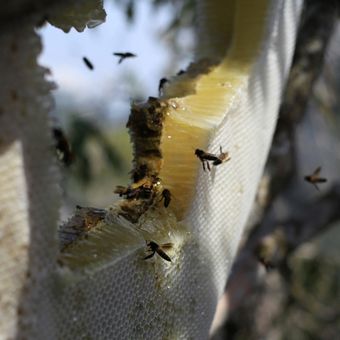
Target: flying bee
point(166, 195)
point(122, 56)
point(159, 249)
point(162, 82)
point(88, 63)
point(315, 178)
point(62, 146)
point(222, 157)
point(205, 157)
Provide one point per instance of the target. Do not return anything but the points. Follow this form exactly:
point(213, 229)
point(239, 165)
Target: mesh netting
point(130, 298)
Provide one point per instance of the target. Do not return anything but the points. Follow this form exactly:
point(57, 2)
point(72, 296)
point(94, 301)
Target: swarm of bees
point(147, 189)
point(122, 56)
point(144, 190)
point(206, 157)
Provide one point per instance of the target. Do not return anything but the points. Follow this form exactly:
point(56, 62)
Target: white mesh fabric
point(28, 194)
point(223, 200)
point(135, 299)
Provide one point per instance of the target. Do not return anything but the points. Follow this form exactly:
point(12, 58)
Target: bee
point(222, 157)
point(88, 63)
point(139, 190)
point(315, 178)
point(133, 193)
point(162, 82)
point(122, 56)
point(93, 217)
point(62, 147)
point(166, 195)
point(159, 249)
point(205, 157)
point(145, 182)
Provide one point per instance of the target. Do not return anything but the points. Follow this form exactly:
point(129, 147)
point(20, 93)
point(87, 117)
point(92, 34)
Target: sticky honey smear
point(165, 133)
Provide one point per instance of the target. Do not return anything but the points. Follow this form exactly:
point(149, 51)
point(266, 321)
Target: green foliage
point(83, 132)
point(182, 14)
point(312, 310)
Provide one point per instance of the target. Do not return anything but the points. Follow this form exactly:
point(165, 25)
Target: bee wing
point(163, 255)
point(118, 54)
point(316, 186)
point(167, 245)
point(317, 171)
point(203, 164)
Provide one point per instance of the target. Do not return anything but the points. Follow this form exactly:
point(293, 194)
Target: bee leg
point(149, 256)
point(316, 186)
point(203, 164)
point(208, 166)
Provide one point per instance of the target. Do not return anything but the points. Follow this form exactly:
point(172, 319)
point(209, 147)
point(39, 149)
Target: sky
point(110, 84)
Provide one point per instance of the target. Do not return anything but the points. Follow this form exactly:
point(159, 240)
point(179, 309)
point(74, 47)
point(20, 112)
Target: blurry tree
point(82, 132)
point(283, 284)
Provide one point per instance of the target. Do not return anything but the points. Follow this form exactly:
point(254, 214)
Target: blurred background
point(298, 300)
point(92, 106)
